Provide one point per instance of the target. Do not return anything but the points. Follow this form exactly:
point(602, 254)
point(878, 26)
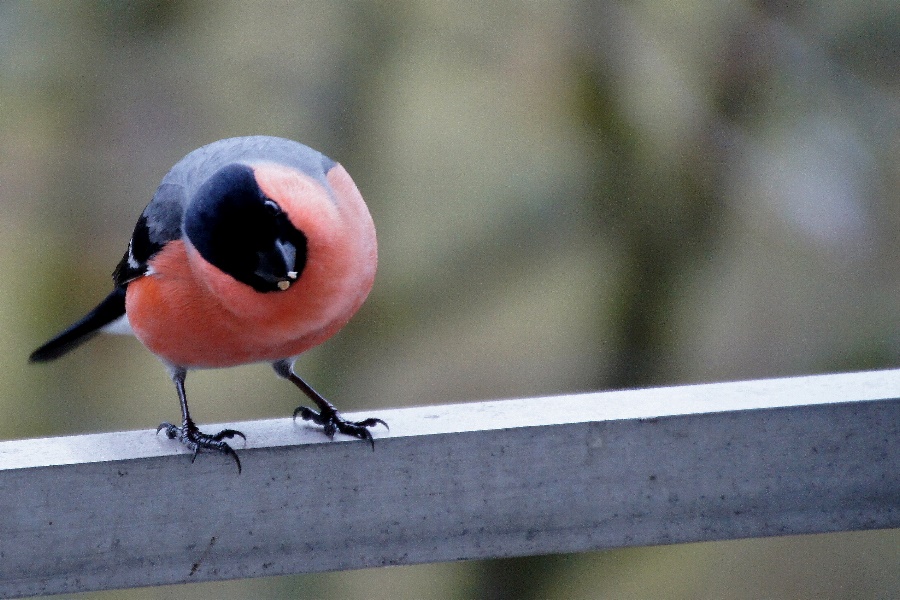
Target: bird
point(252, 250)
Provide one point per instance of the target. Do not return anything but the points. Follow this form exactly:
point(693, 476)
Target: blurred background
point(569, 196)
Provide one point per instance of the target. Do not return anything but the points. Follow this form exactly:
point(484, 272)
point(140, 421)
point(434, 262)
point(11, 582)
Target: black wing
point(135, 262)
point(159, 224)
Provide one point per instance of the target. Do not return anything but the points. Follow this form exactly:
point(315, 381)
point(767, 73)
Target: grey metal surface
point(491, 479)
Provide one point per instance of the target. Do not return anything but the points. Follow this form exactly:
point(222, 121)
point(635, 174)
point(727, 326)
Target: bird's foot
point(189, 435)
point(333, 422)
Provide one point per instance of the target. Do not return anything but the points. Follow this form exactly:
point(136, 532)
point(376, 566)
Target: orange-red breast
point(253, 249)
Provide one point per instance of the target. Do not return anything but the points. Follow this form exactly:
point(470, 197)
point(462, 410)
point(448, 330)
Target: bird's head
point(239, 229)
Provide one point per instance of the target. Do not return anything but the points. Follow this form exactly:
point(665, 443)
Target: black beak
point(278, 265)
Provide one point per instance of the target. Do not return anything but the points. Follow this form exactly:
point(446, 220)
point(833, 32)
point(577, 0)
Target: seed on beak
point(284, 284)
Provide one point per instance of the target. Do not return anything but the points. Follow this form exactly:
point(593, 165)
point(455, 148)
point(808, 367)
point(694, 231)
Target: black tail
point(112, 307)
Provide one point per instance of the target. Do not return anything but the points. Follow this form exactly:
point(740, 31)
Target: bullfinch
point(253, 249)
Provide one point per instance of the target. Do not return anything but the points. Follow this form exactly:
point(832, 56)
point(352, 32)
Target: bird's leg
point(328, 415)
point(189, 435)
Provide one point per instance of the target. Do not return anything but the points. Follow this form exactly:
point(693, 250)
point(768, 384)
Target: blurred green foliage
point(569, 196)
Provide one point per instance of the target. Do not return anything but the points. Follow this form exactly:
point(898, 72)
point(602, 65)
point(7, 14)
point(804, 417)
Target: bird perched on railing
point(253, 249)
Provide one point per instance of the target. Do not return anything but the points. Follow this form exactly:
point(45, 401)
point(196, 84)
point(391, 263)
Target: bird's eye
point(272, 208)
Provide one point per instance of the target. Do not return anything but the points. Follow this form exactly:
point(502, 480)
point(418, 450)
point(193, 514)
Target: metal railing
point(481, 480)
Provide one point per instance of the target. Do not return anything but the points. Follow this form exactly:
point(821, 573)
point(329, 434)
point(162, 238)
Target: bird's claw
point(189, 435)
point(332, 422)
